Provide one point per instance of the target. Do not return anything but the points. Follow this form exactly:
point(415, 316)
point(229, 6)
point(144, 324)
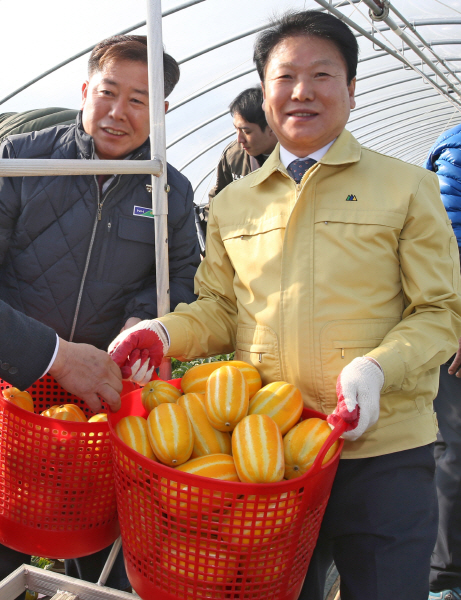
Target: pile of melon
point(226, 426)
point(62, 412)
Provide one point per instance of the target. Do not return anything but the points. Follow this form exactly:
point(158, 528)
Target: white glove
point(139, 350)
point(358, 389)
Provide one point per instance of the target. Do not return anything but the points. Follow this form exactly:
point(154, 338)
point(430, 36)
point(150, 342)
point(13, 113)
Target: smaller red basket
point(193, 537)
point(57, 496)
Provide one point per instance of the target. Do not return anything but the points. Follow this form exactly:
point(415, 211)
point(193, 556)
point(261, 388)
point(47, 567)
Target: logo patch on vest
point(351, 198)
point(142, 211)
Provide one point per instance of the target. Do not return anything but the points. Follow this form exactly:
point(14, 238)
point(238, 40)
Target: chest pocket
point(255, 250)
point(128, 251)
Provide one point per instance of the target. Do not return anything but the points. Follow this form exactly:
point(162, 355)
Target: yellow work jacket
point(358, 259)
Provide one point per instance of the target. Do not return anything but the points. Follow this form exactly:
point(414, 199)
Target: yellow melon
point(99, 418)
point(133, 431)
point(170, 434)
point(49, 412)
point(157, 392)
point(261, 517)
point(302, 444)
point(257, 447)
point(279, 400)
point(194, 380)
point(207, 439)
point(187, 498)
point(21, 399)
point(66, 412)
point(226, 398)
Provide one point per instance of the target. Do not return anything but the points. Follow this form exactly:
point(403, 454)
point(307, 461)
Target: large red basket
point(57, 496)
point(221, 540)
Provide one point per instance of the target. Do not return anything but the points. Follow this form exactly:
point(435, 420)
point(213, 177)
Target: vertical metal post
point(158, 149)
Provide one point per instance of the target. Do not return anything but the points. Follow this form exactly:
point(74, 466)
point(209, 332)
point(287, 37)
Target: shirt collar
point(345, 150)
point(287, 157)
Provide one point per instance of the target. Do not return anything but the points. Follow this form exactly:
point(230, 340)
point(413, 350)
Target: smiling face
point(307, 99)
point(115, 106)
point(252, 138)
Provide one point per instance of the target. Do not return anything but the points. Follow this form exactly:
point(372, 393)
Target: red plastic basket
point(57, 496)
point(193, 537)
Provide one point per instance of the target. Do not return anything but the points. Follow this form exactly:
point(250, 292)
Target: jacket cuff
point(392, 366)
point(177, 334)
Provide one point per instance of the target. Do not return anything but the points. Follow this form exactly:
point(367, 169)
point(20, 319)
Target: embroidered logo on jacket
point(351, 198)
point(142, 211)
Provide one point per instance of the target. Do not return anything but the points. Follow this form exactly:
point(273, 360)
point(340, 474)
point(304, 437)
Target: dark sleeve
point(26, 347)
point(223, 177)
point(183, 258)
point(10, 202)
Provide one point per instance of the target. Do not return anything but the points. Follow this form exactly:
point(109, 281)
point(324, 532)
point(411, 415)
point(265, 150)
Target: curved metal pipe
point(384, 136)
point(399, 152)
point(209, 89)
point(170, 11)
point(199, 126)
point(206, 150)
point(203, 179)
point(385, 147)
point(380, 101)
point(416, 150)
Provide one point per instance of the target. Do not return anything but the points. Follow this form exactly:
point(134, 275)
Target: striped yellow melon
point(187, 498)
point(257, 447)
point(21, 399)
point(99, 418)
point(157, 392)
point(133, 431)
point(66, 412)
point(302, 444)
point(49, 412)
point(170, 434)
point(207, 439)
point(279, 400)
point(263, 517)
point(203, 560)
point(226, 398)
point(194, 380)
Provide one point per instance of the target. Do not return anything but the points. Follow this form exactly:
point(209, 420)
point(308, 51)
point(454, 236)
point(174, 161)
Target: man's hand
point(456, 364)
point(358, 389)
point(131, 322)
point(85, 371)
point(139, 350)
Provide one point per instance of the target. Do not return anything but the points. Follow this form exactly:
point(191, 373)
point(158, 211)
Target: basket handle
point(335, 434)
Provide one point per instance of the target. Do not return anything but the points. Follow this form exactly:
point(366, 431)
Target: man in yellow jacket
point(334, 268)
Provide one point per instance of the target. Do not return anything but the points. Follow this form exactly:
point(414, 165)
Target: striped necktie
point(298, 167)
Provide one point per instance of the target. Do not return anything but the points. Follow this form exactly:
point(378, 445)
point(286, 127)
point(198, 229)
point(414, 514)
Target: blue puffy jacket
point(445, 159)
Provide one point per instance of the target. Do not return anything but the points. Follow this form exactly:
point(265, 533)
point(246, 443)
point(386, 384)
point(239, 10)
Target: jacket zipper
point(88, 256)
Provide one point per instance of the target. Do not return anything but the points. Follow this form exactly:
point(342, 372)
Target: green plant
point(178, 368)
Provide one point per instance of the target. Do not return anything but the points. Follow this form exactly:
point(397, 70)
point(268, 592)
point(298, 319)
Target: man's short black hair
point(248, 105)
point(312, 23)
point(131, 47)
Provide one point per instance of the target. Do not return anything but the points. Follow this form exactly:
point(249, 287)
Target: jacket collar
point(85, 143)
point(345, 150)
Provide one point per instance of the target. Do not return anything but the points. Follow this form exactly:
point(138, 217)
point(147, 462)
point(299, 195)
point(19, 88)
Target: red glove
point(139, 350)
